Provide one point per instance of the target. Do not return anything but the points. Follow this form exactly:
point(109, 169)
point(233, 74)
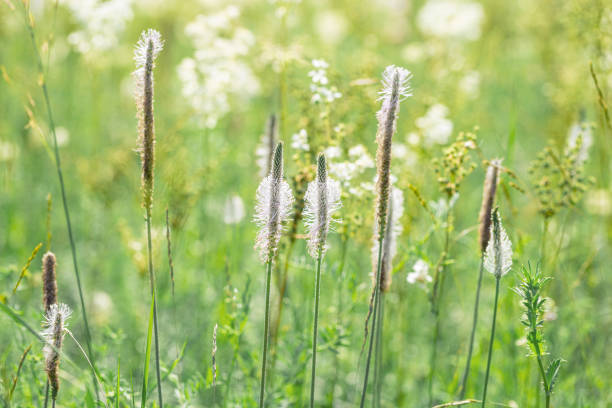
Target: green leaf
point(552, 372)
point(145, 379)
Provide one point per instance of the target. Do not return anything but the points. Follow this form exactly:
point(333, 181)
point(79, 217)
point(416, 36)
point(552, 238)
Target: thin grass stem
point(466, 373)
point(58, 165)
point(154, 299)
point(315, 329)
point(266, 332)
point(375, 312)
point(486, 383)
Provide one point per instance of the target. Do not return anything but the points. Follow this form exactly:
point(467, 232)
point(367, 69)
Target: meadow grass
point(407, 251)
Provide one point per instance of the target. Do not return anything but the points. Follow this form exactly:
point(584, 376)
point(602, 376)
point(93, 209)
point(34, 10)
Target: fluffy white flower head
point(498, 255)
point(322, 201)
point(404, 76)
point(274, 202)
point(54, 323)
point(147, 37)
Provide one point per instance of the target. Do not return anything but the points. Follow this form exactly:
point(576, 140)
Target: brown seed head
point(49, 281)
point(488, 198)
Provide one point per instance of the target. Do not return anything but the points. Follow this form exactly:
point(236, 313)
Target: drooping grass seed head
point(274, 201)
point(498, 255)
point(49, 281)
point(322, 201)
point(148, 47)
point(488, 198)
point(55, 325)
point(396, 87)
point(389, 249)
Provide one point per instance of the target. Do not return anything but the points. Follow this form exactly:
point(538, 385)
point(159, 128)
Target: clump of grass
point(484, 217)
point(148, 47)
point(396, 87)
point(274, 200)
point(530, 291)
point(322, 200)
point(498, 261)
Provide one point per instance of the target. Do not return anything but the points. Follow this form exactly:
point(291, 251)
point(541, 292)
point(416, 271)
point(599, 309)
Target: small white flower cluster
point(347, 172)
point(451, 19)
point(321, 92)
point(420, 274)
point(101, 22)
point(218, 69)
point(299, 140)
point(435, 126)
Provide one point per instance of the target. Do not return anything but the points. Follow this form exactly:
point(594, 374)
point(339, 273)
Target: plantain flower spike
point(396, 88)
point(498, 255)
point(148, 47)
point(274, 201)
point(322, 201)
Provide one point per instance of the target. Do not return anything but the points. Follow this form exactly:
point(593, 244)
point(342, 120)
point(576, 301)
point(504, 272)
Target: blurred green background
point(514, 73)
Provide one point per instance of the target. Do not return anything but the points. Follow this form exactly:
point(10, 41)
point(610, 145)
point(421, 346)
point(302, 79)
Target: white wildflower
point(321, 92)
point(299, 140)
point(420, 274)
point(333, 152)
point(361, 157)
point(218, 71)
point(451, 19)
point(100, 24)
point(435, 126)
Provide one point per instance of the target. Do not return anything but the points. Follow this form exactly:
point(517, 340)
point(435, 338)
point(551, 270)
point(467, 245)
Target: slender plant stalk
point(316, 328)
point(435, 307)
point(58, 165)
point(375, 312)
point(339, 309)
point(154, 299)
point(466, 373)
point(378, 366)
point(266, 331)
point(46, 394)
point(486, 383)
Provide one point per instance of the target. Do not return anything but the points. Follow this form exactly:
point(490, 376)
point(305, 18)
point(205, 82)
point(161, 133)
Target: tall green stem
point(266, 333)
point(435, 303)
point(466, 373)
point(375, 312)
point(316, 327)
point(58, 165)
point(543, 374)
point(378, 362)
point(154, 296)
point(484, 394)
